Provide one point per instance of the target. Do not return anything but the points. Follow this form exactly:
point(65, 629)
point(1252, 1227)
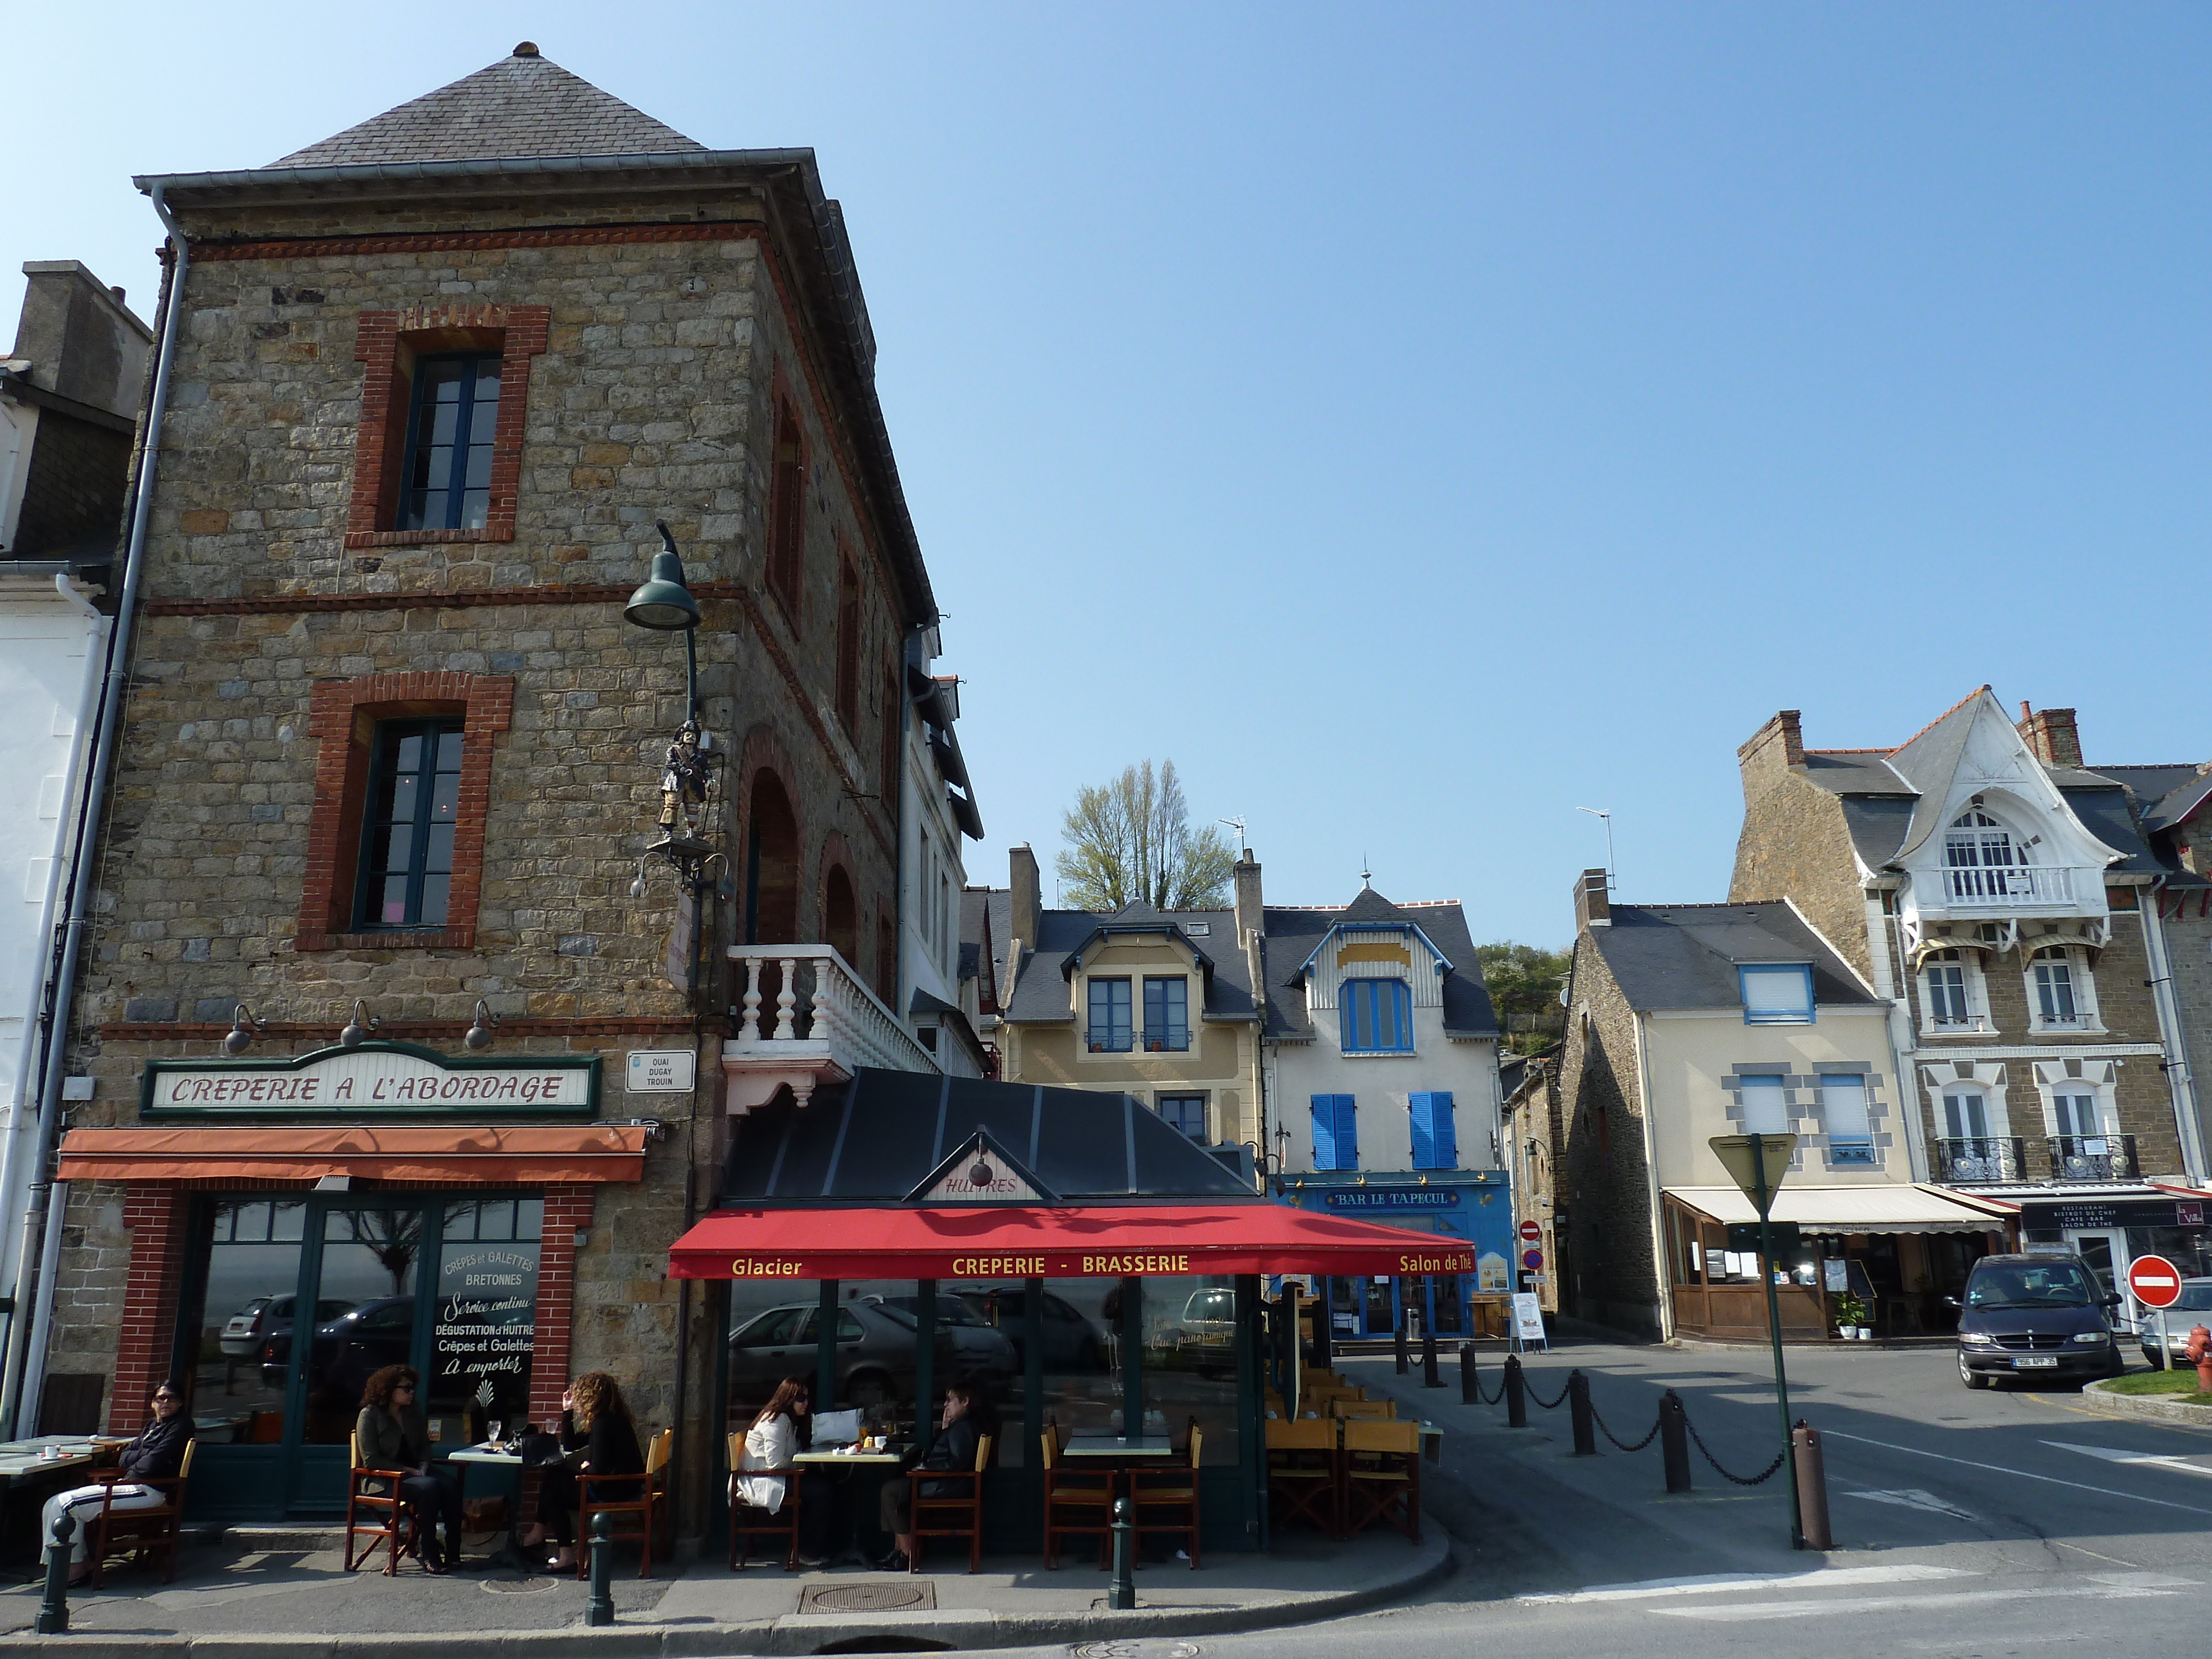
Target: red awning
point(1026, 1242)
point(521, 1155)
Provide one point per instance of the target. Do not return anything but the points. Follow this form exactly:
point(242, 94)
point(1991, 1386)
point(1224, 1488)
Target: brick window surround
point(154, 1213)
point(388, 343)
point(341, 715)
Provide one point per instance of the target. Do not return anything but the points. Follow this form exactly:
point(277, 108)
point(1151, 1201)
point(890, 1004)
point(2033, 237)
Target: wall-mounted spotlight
point(479, 1034)
point(357, 1032)
point(242, 1028)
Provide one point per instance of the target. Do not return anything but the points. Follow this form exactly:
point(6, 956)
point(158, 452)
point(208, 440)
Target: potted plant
point(1850, 1317)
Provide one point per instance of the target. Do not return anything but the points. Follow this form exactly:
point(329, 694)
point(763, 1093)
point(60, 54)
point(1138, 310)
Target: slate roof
point(1684, 955)
point(522, 106)
point(986, 917)
point(1042, 993)
point(1293, 934)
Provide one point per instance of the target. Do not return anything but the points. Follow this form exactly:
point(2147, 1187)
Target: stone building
point(394, 759)
point(2004, 897)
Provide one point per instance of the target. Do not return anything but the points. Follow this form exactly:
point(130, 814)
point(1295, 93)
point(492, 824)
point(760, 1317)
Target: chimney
point(1249, 921)
point(1774, 749)
point(2051, 735)
point(1592, 905)
point(1025, 910)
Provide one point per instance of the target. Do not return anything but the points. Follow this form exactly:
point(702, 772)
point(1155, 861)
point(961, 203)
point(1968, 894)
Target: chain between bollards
point(1516, 1394)
point(53, 1611)
point(1122, 1594)
point(600, 1609)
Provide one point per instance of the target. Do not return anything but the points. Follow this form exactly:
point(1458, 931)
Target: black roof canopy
point(875, 1141)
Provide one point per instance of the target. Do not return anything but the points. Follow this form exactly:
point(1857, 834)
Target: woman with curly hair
point(391, 1433)
point(597, 1437)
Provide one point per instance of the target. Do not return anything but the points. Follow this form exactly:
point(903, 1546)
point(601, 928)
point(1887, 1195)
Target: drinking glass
point(494, 1428)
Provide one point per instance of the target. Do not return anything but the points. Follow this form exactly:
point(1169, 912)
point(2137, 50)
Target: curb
point(791, 1634)
point(2097, 1398)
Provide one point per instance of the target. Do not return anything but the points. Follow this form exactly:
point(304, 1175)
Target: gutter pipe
point(35, 1270)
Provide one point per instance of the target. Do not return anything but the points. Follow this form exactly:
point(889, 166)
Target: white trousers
point(84, 1502)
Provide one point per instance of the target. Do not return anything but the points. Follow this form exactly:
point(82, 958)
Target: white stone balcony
point(807, 1019)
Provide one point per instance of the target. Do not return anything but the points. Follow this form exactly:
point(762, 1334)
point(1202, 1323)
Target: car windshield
point(950, 1310)
point(2196, 1297)
point(2053, 1285)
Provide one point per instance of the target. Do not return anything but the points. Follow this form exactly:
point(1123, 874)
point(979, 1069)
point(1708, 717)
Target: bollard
point(600, 1609)
point(1516, 1394)
point(1470, 1391)
point(1122, 1594)
point(1812, 1486)
point(1578, 1409)
point(1399, 1347)
point(53, 1611)
point(1674, 1441)
point(1429, 1377)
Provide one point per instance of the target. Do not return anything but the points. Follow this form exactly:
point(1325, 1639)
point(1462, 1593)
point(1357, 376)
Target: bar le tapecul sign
point(377, 1079)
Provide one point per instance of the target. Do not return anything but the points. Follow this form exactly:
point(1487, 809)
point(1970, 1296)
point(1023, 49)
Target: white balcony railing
point(807, 1018)
point(2009, 887)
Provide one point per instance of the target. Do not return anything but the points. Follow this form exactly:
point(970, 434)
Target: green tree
point(1525, 982)
point(1131, 839)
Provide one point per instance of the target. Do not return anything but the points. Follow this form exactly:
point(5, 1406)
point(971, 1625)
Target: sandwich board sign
point(1528, 1321)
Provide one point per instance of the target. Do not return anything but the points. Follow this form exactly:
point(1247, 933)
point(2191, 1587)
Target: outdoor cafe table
point(22, 1460)
point(497, 1457)
point(1117, 1448)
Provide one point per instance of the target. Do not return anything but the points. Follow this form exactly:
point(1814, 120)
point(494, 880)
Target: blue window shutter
point(1324, 1132)
point(1443, 1131)
point(1347, 1133)
point(1421, 1109)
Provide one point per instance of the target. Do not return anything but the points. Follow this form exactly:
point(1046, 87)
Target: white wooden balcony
point(2000, 890)
point(804, 1019)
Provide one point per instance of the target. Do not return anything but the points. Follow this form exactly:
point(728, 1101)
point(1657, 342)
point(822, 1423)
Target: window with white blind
point(1846, 1117)
point(1765, 1105)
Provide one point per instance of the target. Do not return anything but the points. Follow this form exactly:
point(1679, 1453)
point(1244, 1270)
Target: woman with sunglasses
point(157, 1454)
point(393, 1434)
point(778, 1434)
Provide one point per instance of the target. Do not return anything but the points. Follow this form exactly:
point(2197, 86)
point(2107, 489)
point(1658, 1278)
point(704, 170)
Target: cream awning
point(1898, 1208)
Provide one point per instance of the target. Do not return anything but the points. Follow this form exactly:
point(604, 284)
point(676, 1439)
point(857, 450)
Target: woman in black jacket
point(157, 1454)
point(955, 1447)
point(597, 1437)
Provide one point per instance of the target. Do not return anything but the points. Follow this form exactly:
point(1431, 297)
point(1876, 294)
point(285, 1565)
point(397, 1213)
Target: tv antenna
point(1237, 824)
point(1601, 812)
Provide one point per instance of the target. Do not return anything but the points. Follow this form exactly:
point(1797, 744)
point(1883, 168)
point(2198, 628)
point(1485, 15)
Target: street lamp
point(664, 605)
point(1748, 1158)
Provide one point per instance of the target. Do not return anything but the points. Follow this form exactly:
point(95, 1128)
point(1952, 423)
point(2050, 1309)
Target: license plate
point(2036, 1362)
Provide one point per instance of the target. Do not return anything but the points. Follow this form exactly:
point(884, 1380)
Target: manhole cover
point(519, 1586)
point(883, 1596)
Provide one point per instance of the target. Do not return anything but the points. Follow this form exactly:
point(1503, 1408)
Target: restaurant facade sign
point(377, 1082)
point(1042, 1264)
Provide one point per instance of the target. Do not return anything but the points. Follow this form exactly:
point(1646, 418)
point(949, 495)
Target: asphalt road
point(1966, 1524)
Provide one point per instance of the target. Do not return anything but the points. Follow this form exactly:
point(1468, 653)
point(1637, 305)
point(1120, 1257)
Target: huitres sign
point(389, 1082)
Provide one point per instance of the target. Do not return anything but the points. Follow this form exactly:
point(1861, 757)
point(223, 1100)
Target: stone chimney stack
point(1025, 910)
point(1592, 905)
point(1774, 749)
point(1249, 921)
point(2051, 735)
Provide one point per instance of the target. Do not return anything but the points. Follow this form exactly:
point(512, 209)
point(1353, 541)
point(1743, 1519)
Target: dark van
point(2035, 1316)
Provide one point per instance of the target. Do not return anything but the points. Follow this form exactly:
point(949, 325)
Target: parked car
point(264, 1317)
point(1072, 1342)
point(2035, 1316)
point(2195, 1308)
point(876, 1349)
point(347, 1349)
point(1203, 1338)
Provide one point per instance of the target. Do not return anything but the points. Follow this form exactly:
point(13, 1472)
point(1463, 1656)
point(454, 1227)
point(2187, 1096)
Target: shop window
point(786, 512)
point(1189, 1361)
point(1335, 1133)
point(1186, 1113)
point(1111, 1031)
point(484, 1325)
point(773, 1327)
point(1844, 1115)
point(249, 1304)
point(1435, 1139)
point(1765, 1100)
point(370, 1259)
point(1377, 1017)
point(1777, 995)
point(982, 1335)
point(1082, 1342)
point(1167, 1015)
point(406, 873)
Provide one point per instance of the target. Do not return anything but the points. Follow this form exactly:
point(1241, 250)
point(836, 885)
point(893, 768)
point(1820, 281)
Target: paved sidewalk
point(240, 1603)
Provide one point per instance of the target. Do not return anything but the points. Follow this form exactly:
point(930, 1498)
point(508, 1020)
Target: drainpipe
point(2173, 1040)
point(34, 1272)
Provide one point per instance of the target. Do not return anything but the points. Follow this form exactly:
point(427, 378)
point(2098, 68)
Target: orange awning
point(530, 1155)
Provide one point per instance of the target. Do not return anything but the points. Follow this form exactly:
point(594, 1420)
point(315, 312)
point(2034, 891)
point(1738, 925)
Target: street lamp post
point(1747, 1159)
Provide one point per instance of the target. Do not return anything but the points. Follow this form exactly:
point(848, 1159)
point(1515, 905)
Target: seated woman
point(597, 1437)
point(958, 1438)
point(778, 1434)
point(391, 1433)
point(157, 1454)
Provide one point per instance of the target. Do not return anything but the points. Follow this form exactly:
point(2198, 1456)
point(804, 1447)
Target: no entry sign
point(2155, 1281)
point(1532, 1232)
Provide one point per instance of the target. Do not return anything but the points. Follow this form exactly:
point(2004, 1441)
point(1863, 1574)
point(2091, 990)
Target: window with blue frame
point(1436, 1137)
point(1377, 1016)
point(1167, 1015)
point(1335, 1133)
point(1186, 1113)
point(406, 872)
point(1844, 1116)
point(446, 474)
point(1111, 1031)
point(1777, 995)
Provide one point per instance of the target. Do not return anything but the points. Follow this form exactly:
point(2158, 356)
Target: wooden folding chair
point(1374, 1411)
point(1381, 1464)
point(651, 1496)
point(961, 1516)
point(1302, 1471)
point(395, 1530)
point(1174, 1489)
point(1075, 1500)
point(749, 1523)
point(140, 1533)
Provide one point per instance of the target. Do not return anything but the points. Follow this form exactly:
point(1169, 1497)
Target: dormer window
point(1378, 1017)
point(1167, 1015)
point(1779, 995)
point(1981, 858)
point(1111, 1032)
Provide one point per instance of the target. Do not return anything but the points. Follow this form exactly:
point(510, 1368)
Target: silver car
point(2195, 1308)
point(876, 1349)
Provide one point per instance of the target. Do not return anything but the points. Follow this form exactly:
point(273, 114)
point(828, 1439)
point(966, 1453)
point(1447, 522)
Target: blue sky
point(1417, 422)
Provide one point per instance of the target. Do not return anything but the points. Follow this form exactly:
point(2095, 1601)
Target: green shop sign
point(377, 1082)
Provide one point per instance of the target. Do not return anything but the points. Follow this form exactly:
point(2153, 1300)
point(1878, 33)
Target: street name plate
point(662, 1072)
